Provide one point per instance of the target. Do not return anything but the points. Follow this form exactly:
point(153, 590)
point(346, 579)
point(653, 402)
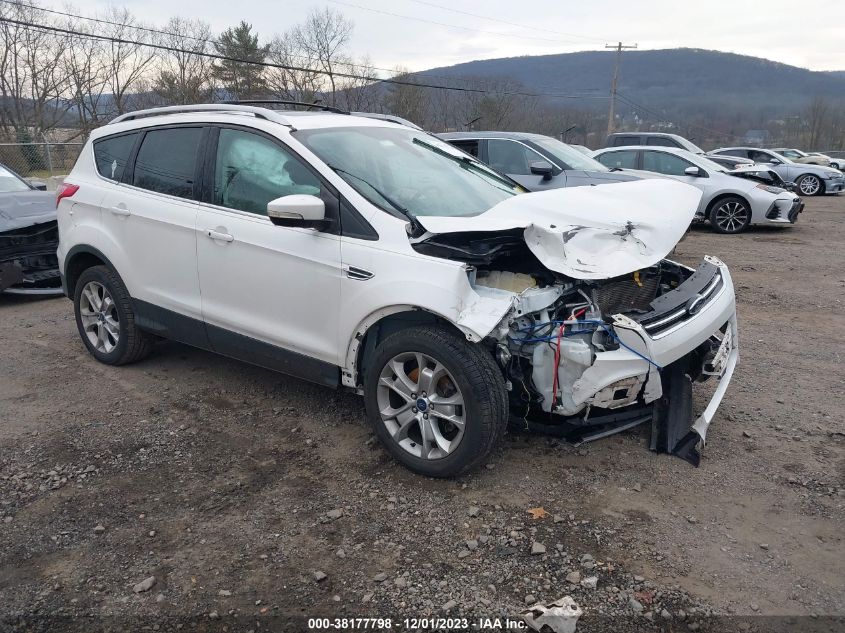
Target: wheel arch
point(380, 324)
point(728, 194)
point(78, 259)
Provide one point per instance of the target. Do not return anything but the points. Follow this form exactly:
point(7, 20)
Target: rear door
point(151, 216)
point(270, 294)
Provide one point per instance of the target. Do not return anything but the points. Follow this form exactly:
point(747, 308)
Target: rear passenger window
point(167, 160)
point(111, 155)
point(620, 141)
point(661, 141)
point(251, 170)
point(626, 159)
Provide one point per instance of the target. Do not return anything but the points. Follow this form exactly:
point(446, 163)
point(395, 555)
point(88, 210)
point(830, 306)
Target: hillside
point(691, 81)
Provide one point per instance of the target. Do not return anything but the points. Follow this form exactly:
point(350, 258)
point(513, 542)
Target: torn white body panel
point(591, 232)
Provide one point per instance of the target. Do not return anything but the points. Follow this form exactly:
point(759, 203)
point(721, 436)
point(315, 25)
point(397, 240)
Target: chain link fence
point(39, 160)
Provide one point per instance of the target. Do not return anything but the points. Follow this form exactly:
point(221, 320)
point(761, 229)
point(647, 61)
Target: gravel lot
point(255, 500)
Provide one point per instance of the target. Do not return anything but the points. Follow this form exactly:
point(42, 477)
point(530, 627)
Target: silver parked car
point(812, 180)
point(730, 203)
point(535, 161)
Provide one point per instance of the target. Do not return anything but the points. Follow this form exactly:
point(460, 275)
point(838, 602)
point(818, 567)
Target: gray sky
point(810, 35)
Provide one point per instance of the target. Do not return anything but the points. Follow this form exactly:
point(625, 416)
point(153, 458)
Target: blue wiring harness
point(553, 337)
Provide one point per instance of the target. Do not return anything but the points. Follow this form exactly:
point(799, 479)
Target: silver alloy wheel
point(731, 216)
point(809, 185)
point(421, 405)
point(100, 320)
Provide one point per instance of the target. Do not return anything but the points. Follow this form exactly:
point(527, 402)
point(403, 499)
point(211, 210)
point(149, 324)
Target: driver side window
point(510, 157)
point(251, 170)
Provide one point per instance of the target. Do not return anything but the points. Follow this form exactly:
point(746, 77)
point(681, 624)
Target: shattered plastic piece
point(560, 616)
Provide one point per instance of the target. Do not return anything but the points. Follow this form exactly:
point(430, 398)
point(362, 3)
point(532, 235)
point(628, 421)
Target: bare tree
point(362, 92)
point(407, 99)
point(127, 63)
point(322, 38)
point(84, 64)
point(815, 120)
point(32, 83)
point(299, 79)
point(184, 74)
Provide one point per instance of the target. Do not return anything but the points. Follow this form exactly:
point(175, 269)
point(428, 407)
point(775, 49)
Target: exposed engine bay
point(577, 352)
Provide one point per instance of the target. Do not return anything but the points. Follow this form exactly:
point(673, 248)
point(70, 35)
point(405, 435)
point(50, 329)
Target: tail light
point(65, 190)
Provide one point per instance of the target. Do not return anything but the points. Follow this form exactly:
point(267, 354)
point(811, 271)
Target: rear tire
point(452, 438)
point(105, 319)
point(730, 215)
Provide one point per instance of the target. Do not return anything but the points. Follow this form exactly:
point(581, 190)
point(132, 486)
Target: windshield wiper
point(398, 207)
point(464, 161)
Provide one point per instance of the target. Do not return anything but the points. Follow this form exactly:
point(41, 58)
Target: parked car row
point(363, 253)
point(732, 199)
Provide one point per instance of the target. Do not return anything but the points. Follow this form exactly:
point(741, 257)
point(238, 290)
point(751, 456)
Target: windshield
point(408, 170)
point(570, 157)
point(10, 183)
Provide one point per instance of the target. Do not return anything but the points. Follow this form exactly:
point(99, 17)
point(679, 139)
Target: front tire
point(730, 215)
point(105, 319)
point(810, 185)
point(437, 402)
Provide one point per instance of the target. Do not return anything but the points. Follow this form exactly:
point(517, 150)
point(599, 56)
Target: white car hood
point(590, 232)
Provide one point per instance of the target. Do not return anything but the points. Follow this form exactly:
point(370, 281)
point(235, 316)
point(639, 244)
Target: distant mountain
point(684, 80)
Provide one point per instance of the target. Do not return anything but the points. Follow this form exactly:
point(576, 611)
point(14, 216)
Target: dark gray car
point(535, 161)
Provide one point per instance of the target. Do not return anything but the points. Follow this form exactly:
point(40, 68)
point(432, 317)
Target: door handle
point(123, 211)
point(217, 235)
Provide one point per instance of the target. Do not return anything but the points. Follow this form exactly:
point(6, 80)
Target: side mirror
point(298, 210)
point(40, 185)
point(693, 171)
point(774, 161)
point(544, 169)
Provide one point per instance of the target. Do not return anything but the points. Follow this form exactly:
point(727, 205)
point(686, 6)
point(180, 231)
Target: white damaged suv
point(363, 253)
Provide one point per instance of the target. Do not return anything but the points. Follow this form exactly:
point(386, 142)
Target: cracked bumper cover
point(615, 368)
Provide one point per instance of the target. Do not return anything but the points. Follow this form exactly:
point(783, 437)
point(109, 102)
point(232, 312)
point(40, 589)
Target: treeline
point(62, 75)
point(59, 71)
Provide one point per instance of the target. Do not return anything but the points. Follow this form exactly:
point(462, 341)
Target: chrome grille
point(660, 323)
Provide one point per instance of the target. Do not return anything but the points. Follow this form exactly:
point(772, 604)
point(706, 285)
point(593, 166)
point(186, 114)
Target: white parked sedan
point(730, 203)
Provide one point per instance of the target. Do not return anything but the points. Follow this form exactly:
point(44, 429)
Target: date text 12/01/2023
point(417, 624)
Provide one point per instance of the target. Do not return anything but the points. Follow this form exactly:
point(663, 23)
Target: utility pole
point(619, 47)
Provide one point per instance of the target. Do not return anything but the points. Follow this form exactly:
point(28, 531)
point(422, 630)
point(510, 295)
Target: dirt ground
point(256, 501)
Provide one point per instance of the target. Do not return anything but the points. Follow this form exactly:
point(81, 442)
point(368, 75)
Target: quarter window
point(510, 157)
point(251, 170)
point(619, 141)
point(626, 159)
point(167, 160)
point(470, 147)
point(664, 163)
point(112, 154)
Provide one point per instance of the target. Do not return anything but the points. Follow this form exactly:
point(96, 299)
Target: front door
point(270, 294)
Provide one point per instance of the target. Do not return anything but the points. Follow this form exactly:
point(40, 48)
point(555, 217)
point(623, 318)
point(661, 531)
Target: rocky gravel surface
point(192, 492)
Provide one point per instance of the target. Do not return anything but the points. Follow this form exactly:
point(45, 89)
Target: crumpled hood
point(590, 232)
point(25, 208)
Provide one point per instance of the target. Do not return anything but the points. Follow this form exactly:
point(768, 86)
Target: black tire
point(810, 183)
point(479, 380)
point(132, 343)
point(730, 215)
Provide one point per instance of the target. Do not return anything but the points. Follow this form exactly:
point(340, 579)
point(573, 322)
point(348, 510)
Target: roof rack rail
point(261, 113)
point(303, 104)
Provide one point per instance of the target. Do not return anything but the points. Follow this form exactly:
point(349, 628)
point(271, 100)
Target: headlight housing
point(770, 189)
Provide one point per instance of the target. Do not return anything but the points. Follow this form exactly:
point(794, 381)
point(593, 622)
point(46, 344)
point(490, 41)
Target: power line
point(521, 26)
point(215, 41)
point(447, 25)
point(115, 40)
